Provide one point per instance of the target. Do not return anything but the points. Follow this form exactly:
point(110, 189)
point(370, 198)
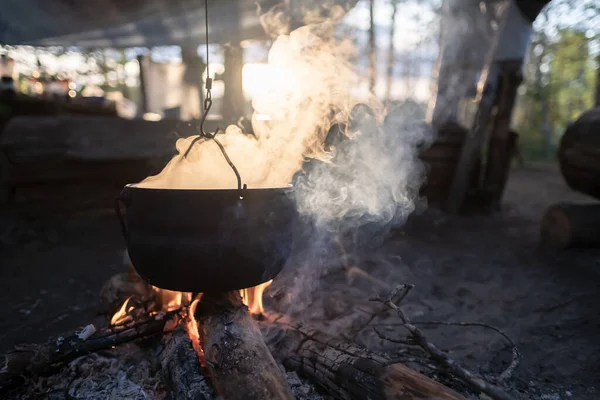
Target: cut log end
point(571, 225)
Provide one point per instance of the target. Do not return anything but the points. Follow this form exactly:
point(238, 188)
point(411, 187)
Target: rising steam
point(309, 89)
point(367, 178)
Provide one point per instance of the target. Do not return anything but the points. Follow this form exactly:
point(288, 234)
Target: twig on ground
point(389, 339)
point(507, 373)
point(563, 303)
point(398, 293)
point(475, 381)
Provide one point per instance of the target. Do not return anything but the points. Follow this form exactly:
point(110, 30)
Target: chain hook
point(207, 105)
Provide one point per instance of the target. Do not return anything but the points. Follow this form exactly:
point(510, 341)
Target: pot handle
point(121, 217)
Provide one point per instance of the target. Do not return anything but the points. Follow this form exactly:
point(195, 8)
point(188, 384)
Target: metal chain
point(208, 99)
point(207, 105)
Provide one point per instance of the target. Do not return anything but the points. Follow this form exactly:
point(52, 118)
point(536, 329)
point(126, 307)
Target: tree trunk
point(143, 62)
point(347, 371)
point(571, 225)
point(372, 58)
point(238, 361)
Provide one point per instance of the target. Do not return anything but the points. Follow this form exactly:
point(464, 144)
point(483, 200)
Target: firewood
point(238, 361)
point(571, 225)
point(347, 371)
point(181, 368)
point(38, 359)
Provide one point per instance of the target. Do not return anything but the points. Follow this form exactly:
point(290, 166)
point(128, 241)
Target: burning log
point(570, 225)
point(237, 358)
point(348, 371)
point(181, 368)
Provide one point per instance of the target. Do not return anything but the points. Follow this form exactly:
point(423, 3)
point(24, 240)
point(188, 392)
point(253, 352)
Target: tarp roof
point(125, 23)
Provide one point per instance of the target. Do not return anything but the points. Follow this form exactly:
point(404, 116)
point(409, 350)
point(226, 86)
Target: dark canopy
point(130, 23)
point(125, 23)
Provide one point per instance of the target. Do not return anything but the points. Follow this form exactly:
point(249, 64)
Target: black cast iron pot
point(207, 240)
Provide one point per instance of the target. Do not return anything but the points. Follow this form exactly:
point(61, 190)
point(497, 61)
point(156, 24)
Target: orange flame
point(191, 326)
point(121, 314)
point(253, 297)
point(171, 300)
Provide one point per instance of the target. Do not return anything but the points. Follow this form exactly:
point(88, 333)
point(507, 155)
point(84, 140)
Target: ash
point(302, 390)
point(126, 372)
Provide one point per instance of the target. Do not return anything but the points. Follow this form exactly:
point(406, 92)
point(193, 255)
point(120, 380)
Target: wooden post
point(502, 141)
point(510, 43)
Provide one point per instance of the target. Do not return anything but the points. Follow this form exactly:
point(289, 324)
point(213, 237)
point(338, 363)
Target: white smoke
point(366, 178)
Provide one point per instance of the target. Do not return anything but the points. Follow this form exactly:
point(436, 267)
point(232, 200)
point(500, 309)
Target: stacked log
point(579, 154)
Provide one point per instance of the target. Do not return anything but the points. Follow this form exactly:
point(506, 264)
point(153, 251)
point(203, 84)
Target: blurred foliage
point(560, 75)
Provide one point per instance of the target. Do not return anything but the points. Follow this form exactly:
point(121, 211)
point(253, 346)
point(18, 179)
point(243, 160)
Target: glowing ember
point(252, 297)
point(120, 315)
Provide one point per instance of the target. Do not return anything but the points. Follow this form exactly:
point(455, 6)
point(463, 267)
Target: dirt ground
point(472, 269)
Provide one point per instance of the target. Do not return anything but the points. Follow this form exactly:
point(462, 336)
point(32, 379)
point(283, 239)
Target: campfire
point(227, 344)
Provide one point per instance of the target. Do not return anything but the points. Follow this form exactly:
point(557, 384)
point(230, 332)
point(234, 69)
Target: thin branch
point(399, 292)
point(507, 373)
point(389, 339)
point(437, 354)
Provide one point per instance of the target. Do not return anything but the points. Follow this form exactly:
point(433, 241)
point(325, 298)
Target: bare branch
point(438, 355)
point(389, 339)
point(507, 373)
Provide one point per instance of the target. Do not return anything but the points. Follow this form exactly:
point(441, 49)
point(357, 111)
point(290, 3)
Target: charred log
point(238, 361)
point(571, 225)
point(40, 359)
point(181, 368)
point(347, 371)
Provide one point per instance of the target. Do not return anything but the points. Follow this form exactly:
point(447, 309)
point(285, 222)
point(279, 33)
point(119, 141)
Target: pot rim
point(288, 187)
